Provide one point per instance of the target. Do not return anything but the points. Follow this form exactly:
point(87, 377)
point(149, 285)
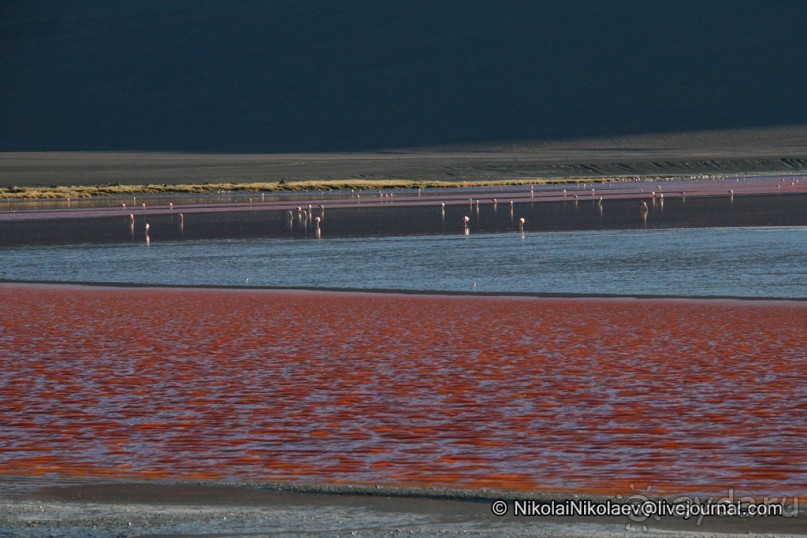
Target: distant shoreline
point(406, 292)
point(116, 189)
point(73, 505)
point(747, 152)
point(32, 191)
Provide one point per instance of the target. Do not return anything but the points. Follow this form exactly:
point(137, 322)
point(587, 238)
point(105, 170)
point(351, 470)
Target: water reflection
point(698, 261)
point(439, 218)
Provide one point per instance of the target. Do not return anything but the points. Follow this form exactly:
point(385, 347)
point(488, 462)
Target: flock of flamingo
point(312, 217)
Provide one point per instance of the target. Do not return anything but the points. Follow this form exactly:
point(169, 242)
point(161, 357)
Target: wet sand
point(125, 425)
point(82, 507)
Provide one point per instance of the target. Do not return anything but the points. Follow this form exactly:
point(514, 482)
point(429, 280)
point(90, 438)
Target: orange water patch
point(510, 393)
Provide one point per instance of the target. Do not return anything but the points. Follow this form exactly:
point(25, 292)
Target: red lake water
point(515, 393)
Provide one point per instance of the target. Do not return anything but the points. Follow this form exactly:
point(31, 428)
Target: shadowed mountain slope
point(302, 76)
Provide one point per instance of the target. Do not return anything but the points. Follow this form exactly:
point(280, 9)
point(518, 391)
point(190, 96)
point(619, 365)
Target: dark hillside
point(287, 76)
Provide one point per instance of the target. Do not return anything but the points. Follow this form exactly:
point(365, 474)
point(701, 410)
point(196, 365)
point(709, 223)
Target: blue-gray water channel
point(740, 262)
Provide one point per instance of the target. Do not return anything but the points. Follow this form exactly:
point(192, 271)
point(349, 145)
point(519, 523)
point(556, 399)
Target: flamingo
point(521, 222)
point(465, 220)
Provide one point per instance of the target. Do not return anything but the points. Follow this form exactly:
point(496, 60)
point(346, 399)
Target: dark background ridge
point(304, 76)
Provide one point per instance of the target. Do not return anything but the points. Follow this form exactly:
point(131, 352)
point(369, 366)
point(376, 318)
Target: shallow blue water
point(743, 262)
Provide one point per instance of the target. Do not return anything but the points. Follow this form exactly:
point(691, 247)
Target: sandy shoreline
point(98, 508)
point(348, 292)
point(730, 151)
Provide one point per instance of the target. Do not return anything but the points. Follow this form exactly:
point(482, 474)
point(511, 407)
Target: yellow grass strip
point(86, 191)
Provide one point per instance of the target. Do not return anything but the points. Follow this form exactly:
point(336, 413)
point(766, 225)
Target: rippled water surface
point(512, 393)
point(743, 262)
